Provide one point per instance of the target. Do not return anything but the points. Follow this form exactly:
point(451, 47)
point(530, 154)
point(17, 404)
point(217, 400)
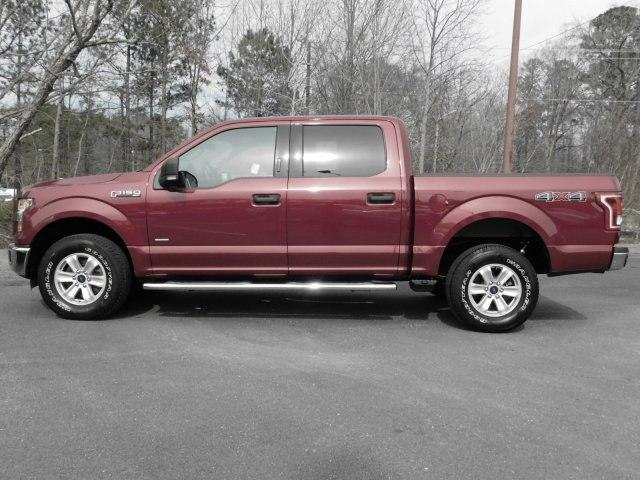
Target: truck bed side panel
point(574, 231)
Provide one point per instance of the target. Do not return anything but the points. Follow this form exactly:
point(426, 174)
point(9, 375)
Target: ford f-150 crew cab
point(312, 203)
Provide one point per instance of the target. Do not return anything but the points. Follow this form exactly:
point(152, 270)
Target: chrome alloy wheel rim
point(80, 278)
point(494, 290)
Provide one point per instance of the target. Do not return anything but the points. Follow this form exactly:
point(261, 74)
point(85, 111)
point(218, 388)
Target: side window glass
point(343, 151)
point(237, 153)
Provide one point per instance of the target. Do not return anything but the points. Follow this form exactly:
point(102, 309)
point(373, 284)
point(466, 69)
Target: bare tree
point(443, 36)
point(195, 47)
point(79, 27)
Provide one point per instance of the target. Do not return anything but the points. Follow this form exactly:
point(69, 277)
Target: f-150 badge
point(562, 196)
point(126, 193)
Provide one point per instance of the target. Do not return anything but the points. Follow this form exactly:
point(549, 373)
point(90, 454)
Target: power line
point(584, 100)
point(556, 35)
point(579, 49)
point(594, 50)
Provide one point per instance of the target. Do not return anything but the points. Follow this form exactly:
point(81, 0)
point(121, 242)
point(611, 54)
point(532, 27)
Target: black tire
point(466, 268)
point(114, 268)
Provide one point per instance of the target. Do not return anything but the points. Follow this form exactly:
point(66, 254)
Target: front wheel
point(492, 288)
point(84, 277)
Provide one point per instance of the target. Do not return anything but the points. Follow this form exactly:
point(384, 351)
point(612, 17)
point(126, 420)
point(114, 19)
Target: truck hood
point(86, 180)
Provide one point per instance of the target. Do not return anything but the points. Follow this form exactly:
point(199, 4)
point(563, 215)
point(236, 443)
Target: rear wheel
point(492, 288)
point(84, 277)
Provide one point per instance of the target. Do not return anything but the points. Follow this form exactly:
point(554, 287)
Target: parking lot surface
point(381, 386)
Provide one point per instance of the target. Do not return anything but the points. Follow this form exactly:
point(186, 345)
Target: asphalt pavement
point(340, 386)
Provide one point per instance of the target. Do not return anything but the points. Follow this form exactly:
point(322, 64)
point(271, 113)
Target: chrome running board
point(300, 286)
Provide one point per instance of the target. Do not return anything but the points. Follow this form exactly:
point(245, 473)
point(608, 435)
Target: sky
point(541, 19)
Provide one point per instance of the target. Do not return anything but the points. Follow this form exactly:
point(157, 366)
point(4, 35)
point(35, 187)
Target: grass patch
point(630, 226)
point(6, 223)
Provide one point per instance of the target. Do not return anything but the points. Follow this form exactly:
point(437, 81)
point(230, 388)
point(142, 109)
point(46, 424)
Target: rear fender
point(496, 206)
point(428, 254)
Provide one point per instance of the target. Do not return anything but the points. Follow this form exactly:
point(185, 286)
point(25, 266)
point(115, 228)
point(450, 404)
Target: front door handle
point(266, 199)
point(379, 198)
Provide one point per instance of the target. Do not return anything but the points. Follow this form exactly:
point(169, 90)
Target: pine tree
point(257, 76)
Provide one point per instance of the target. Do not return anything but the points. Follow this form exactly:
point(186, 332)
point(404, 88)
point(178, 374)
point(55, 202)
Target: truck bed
point(571, 225)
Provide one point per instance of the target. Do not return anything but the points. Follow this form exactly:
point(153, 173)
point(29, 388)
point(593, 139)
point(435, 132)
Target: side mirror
point(169, 175)
point(188, 180)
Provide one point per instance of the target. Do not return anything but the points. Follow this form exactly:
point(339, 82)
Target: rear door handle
point(266, 199)
point(378, 198)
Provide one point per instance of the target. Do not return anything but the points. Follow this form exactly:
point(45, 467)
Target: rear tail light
point(612, 203)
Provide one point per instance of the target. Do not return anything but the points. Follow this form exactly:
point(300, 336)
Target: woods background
point(94, 86)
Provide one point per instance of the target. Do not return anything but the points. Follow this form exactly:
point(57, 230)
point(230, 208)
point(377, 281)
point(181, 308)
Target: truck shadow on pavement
point(396, 306)
point(252, 305)
point(548, 309)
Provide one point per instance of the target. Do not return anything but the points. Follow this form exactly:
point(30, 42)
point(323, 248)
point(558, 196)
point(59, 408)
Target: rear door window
point(343, 151)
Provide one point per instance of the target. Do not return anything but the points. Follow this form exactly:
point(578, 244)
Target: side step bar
point(307, 286)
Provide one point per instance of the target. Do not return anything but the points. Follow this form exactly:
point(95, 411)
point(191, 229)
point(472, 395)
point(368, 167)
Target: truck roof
point(309, 118)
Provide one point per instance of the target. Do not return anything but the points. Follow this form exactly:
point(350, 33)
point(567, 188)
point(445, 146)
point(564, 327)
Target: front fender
point(82, 207)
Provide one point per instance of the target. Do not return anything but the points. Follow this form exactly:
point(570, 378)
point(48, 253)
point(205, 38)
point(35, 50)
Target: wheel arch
point(515, 223)
point(502, 231)
point(64, 227)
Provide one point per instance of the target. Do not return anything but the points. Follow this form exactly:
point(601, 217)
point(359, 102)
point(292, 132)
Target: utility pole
point(510, 127)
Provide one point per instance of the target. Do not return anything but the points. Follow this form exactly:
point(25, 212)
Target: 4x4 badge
point(562, 196)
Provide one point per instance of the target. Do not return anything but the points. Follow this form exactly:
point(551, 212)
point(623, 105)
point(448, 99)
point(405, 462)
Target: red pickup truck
point(312, 203)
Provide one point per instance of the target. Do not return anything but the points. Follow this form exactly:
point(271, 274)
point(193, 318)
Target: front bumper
point(18, 257)
point(619, 259)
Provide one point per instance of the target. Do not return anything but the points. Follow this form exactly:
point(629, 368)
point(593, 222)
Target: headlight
point(23, 205)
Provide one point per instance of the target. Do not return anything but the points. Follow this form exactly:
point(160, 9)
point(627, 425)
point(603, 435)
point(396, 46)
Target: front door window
point(237, 153)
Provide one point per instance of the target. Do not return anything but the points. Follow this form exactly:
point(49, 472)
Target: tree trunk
point(376, 63)
point(226, 104)
point(64, 166)
point(435, 148)
point(151, 119)
point(194, 121)
point(55, 160)
point(39, 162)
point(164, 99)
point(307, 80)
point(423, 124)
point(163, 116)
point(295, 95)
point(17, 181)
point(17, 163)
point(550, 142)
point(193, 98)
point(427, 95)
point(123, 127)
point(126, 129)
point(84, 129)
point(346, 103)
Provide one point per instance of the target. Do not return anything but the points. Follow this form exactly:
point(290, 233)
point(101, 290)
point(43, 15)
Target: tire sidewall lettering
point(527, 283)
point(521, 272)
point(107, 270)
point(50, 289)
